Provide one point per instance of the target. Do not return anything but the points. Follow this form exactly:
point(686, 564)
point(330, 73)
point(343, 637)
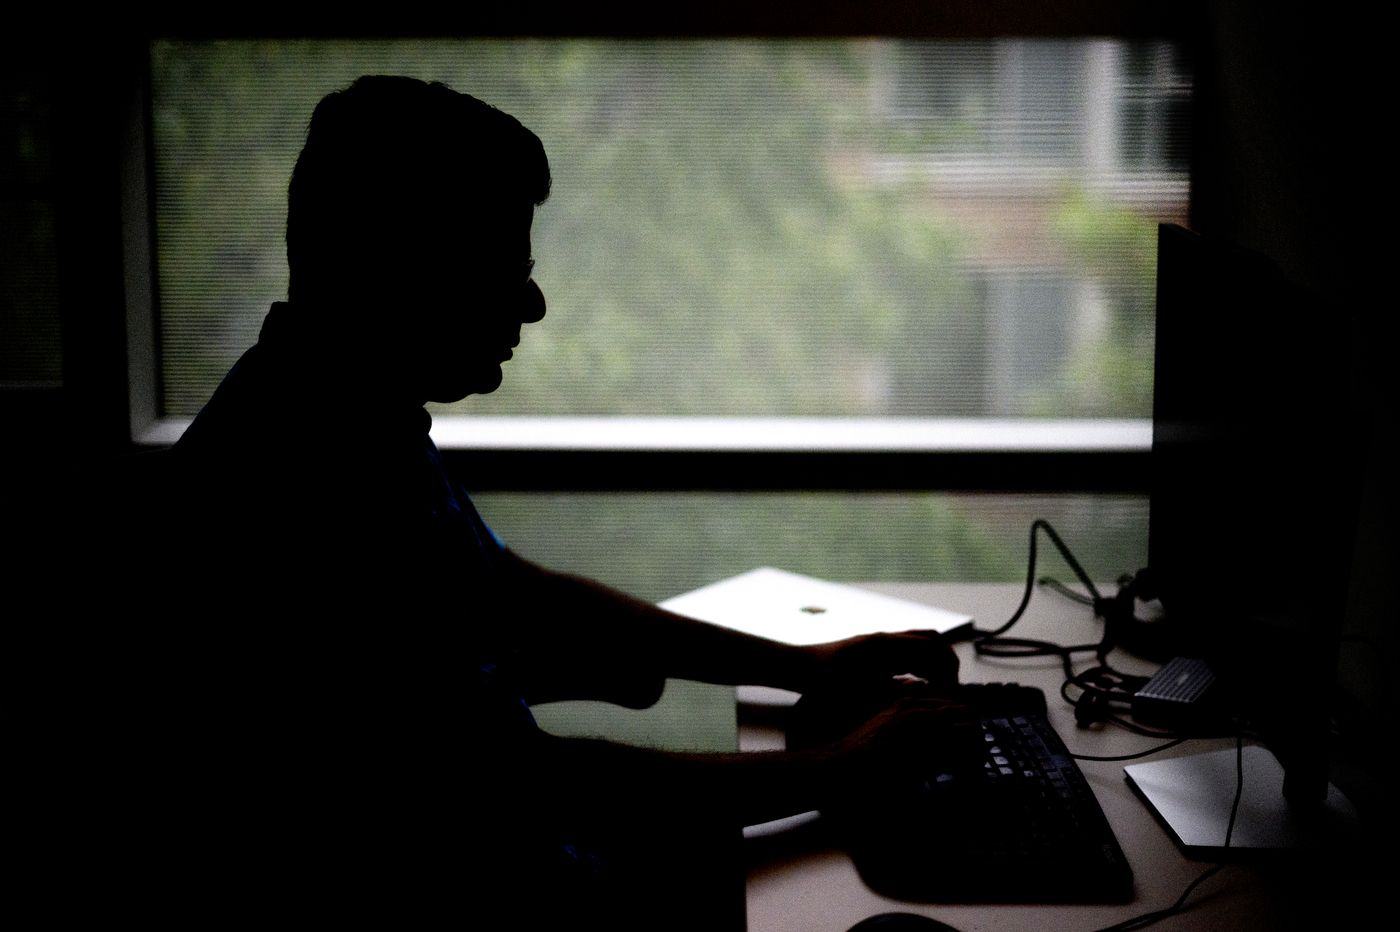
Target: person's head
point(408, 230)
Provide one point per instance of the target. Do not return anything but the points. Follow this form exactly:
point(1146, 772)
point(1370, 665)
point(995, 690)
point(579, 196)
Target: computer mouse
point(901, 922)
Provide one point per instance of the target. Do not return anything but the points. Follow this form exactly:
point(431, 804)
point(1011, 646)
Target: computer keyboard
point(1013, 822)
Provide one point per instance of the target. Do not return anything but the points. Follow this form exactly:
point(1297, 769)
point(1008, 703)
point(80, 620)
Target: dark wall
point(1288, 160)
point(1289, 163)
point(66, 100)
point(59, 187)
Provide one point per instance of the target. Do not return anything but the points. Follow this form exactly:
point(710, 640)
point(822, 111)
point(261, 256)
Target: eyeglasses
point(502, 271)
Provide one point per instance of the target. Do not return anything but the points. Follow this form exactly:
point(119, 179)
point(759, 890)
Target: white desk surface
point(804, 884)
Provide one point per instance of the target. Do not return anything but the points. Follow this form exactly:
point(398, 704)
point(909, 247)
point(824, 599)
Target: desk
point(801, 882)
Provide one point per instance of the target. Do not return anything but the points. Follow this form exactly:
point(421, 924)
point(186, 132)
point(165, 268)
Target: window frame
point(685, 454)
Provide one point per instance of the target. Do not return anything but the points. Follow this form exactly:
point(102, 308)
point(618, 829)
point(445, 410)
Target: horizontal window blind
point(864, 227)
point(656, 545)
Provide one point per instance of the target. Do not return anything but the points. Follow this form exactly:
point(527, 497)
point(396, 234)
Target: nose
point(532, 306)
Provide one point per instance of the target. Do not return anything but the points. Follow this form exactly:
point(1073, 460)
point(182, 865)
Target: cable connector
point(1090, 708)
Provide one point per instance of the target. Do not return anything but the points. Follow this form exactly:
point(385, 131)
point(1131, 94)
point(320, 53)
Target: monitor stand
point(1192, 797)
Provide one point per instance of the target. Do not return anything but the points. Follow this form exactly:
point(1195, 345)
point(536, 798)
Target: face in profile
point(470, 296)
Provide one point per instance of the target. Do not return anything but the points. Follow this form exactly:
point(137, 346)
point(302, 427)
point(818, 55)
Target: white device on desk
point(796, 609)
point(1194, 795)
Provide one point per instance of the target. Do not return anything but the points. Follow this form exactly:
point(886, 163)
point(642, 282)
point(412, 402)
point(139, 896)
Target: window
point(863, 244)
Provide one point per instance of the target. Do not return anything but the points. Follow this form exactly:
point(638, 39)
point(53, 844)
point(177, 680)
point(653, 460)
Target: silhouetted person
point(334, 712)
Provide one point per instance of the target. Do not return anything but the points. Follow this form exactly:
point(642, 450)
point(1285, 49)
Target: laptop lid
point(797, 609)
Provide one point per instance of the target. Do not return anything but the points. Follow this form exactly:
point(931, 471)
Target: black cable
point(991, 643)
point(1148, 753)
point(1101, 684)
point(1099, 702)
point(1147, 919)
point(1039, 524)
point(1090, 707)
point(1050, 582)
point(1239, 785)
point(1137, 729)
point(1103, 696)
point(1107, 681)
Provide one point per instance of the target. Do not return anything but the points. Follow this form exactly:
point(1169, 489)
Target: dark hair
point(387, 159)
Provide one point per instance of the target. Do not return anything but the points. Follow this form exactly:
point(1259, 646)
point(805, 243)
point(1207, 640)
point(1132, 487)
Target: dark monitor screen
point(1255, 470)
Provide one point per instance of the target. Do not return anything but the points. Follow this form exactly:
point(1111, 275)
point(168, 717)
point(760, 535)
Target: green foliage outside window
point(720, 239)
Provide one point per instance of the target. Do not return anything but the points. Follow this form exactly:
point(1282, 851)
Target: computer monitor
point(1256, 466)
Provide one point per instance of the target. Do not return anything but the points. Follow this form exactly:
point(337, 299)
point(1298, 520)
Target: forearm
point(583, 621)
point(910, 738)
point(691, 649)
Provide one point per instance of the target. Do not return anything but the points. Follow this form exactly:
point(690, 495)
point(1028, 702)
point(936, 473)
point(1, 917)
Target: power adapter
point(1178, 695)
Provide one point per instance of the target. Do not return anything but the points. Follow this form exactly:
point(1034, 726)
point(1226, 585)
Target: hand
point(912, 738)
point(873, 659)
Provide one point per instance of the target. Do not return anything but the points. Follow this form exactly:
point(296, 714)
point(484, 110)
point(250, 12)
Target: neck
point(334, 355)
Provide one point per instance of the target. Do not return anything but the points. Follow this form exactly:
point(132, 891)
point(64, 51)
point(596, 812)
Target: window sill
point(773, 454)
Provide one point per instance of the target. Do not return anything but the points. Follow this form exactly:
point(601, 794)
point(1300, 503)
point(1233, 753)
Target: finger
point(948, 710)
